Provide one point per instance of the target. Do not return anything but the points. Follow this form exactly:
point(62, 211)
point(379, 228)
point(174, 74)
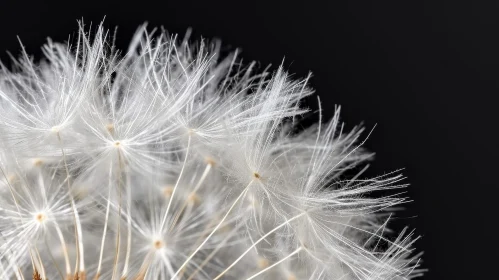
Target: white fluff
point(169, 162)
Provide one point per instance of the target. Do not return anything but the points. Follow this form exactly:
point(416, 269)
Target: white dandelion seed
point(170, 162)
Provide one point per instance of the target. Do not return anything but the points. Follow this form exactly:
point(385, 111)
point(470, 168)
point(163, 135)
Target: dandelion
point(172, 162)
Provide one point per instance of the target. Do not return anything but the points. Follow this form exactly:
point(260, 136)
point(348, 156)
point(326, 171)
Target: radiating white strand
point(64, 248)
point(176, 184)
point(129, 226)
point(79, 234)
point(277, 263)
point(243, 193)
point(258, 241)
point(106, 221)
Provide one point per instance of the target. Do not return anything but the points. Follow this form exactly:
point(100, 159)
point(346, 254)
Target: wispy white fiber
point(170, 161)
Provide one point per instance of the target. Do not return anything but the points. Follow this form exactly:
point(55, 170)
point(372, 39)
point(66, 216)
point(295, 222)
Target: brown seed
point(36, 275)
point(37, 162)
point(141, 276)
point(82, 275)
point(263, 263)
point(194, 198)
point(167, 191)
point(210, 161)
point(110, 128)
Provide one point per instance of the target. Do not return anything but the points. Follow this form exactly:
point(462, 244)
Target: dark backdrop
point(426, 72)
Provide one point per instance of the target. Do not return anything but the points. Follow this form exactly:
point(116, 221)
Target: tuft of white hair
point(172, 162)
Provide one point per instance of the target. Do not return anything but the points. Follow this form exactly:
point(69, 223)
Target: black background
point(426, 72)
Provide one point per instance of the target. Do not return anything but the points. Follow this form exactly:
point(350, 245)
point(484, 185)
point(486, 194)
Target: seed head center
point(158, 244)
point(40, 217)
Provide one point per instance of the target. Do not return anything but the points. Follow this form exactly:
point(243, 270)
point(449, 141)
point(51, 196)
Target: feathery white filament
point(214, 230)
point(257, 242)
point(277, 263)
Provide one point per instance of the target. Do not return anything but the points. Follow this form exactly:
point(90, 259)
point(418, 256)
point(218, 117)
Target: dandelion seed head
point(171, 161)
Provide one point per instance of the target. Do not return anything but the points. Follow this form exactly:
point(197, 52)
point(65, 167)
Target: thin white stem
point(42, 267)
point(277, 263)
point(20, 273)
point(106, 221)
point(117, 250)
point(256, 243)
point(198, 185)
point(202, 236)
point(64, 248)
point(168, 265)
point(10, 259)
point(54, 262)
point(11, 189)
point(144, 267)
point(33, 262)
point(215, 229)
point(213, 253)
point(118, 232)
point(176, 184)
point(41, 183)
point(2, 270)
point(129, 227)
point(79, 234)
point(203, 177)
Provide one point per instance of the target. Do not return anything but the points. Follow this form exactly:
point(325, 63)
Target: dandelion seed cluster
point(171, 162)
